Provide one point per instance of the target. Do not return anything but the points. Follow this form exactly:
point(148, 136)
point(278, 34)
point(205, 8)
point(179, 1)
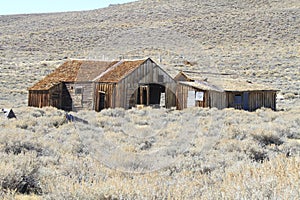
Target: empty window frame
point(78, 90)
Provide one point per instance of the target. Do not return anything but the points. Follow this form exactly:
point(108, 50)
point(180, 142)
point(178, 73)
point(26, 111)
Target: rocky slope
point(257, 40)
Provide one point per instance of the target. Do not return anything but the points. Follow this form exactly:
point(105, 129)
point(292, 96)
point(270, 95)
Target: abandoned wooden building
point(194, 90)
point(95, 85)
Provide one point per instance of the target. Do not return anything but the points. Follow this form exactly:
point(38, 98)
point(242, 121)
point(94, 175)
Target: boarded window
point(160, 78)
point(78, 90)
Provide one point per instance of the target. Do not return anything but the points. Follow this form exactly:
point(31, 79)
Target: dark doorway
point(150, 95)
point(238, 102)
point(101, 100)
point(66, 100)
point(246, 100)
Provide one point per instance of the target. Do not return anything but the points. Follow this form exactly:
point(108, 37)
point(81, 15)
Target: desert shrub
point(267, 138)
point(118, 112)
point(19, 173)
point(38, 113)
point(24, 184)
point(293, 131)
point(26, 124)
point(223, 158)
point(19, 147)
point(258, 155)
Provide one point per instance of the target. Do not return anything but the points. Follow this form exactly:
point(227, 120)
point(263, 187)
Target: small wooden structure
point(222, 93)
point(95, 85)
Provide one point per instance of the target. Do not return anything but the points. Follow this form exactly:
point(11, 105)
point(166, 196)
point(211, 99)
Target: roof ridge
point(108, 70)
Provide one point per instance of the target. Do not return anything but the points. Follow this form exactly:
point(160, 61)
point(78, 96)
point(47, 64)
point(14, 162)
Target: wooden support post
point(148, 95)
point(141, 94)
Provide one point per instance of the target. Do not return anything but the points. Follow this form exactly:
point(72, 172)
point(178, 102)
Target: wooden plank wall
point(108, 89)
point(217, 99)
point(147, 73)
point(80, 101)
point(38, 98)
point(259, 99)
point(55, 96)
point(182, 97)
point(43, 98)
point(170, 97)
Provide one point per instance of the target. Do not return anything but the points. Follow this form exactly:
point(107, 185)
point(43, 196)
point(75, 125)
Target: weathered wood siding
point(108, 89)
point(38, 98)
point(226, 99)
point(217, 99)
point(261, 99)
point(256, 99)
point(42, 98)
point(81, 95)
point(182, 97)
point(147, 73)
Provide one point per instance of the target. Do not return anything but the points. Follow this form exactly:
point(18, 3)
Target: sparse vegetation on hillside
point(257, 40)
point(233, 154)
point(150, 153)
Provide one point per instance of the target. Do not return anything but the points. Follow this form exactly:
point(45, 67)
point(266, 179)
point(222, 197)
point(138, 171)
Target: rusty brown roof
point(120, 71)
point(73, 70)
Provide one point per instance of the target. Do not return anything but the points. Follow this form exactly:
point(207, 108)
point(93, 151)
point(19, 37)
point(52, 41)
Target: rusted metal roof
point(73, 70)
point(88, 71)
point(120, 71)
point(222, 83)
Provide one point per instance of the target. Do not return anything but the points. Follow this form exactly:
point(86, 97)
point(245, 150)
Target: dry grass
point(257, 40)
point(230, 154)
point(226, 157)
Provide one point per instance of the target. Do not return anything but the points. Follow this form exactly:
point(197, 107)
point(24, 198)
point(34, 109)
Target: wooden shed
point(221, 92)
point(95, 85)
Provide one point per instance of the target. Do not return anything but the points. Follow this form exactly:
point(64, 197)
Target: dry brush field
point(229, 154)
point(151, 153)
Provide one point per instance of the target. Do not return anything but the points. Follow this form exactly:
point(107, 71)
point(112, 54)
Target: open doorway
point(101, 101)
point(149, 95)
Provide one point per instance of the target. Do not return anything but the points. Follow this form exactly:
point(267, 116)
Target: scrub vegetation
point(154, 153)
point(231, 154)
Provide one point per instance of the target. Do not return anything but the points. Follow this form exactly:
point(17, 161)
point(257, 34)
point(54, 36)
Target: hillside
point(195, 153)
point(257, 40)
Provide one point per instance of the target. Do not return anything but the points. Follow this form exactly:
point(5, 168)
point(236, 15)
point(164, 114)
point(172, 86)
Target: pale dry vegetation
point(230, 154)
point(256, 40)
point(154, 154)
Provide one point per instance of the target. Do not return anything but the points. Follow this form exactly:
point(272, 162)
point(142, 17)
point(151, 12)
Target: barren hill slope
point(154, 153)
point(257, 40)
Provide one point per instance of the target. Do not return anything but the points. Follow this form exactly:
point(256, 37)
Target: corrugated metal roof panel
point(221, 82)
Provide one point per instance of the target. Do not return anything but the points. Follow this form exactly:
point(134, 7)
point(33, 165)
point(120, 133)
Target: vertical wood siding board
point(151, 75)
point(96, 97)
point(119, 93)
point(250, 101)
point(126, 87)
point(122, 94)
point(113, 97)
point(116, 96)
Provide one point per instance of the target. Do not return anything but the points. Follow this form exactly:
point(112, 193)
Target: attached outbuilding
point(96, 85)
point(222, 93)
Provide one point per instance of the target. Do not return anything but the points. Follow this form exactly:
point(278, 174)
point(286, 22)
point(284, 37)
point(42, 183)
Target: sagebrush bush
point(150, 153)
